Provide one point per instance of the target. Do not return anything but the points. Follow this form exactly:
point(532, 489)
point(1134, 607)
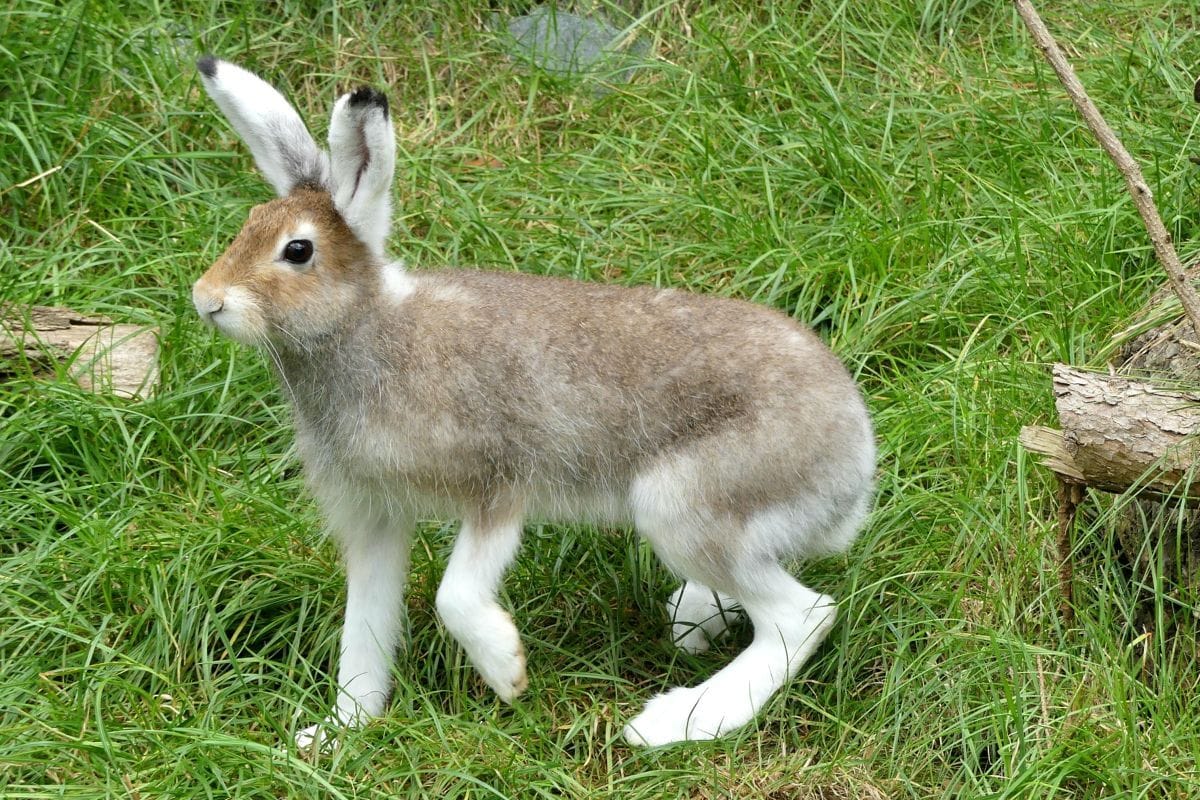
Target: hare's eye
point(298, 251)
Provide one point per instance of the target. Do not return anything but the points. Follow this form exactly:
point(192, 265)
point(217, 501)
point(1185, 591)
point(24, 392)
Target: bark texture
point(1137, 434)
point(1120, 430)
point(1161, 537)
point(100, 355)
point(1122, 433)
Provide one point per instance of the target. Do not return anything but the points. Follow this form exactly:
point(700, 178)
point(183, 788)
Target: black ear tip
point(207, 65)
point(1196, 91)
point(366, 96)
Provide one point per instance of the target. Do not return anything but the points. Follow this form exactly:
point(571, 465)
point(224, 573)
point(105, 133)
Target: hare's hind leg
point(736, 558)
point(699, 616)
point(467, 604)
point(789, 620)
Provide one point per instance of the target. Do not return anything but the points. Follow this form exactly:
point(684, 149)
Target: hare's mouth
point(233, 312)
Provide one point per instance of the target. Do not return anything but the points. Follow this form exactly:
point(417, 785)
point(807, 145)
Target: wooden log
point(1048, 443)
point(100, 355)
point(1120, 434)
point(1124, 436)
point(1143, 448)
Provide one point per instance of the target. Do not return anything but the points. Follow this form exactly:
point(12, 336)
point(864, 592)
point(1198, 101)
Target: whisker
point(273, 354)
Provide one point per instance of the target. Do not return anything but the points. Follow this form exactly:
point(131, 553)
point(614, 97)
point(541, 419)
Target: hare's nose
point(207, 303)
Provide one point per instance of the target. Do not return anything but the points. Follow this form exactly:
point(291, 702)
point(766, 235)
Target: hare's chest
point(419, 451)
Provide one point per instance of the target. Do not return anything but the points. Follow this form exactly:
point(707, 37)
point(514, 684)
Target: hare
point(727, 434)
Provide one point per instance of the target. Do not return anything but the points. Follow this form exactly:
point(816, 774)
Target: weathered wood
point(1049, 444)
point(1120, 434)
point(1129, 437)
point(1160, 538)
point(1110, 456)
point(100, 355)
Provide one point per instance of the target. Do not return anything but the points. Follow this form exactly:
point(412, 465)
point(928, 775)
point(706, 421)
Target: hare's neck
point(325, 378)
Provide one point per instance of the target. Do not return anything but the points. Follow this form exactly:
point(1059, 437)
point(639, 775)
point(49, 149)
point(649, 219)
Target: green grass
point(908, 177)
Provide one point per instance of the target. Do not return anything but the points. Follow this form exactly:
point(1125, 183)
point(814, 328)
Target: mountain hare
point(728, 435)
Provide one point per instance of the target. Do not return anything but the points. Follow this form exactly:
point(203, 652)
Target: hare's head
point(304, 261)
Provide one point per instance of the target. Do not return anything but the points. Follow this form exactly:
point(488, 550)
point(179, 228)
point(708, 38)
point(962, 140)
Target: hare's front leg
point(466, 602)
point(376, 560)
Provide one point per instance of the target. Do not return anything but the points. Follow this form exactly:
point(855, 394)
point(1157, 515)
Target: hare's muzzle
point(231, 309)
point(207, 301)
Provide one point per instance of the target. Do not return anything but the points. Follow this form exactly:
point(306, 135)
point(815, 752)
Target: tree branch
point(1129, 168)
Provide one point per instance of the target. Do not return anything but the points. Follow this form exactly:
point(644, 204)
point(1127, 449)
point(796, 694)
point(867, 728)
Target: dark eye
point(297, 251)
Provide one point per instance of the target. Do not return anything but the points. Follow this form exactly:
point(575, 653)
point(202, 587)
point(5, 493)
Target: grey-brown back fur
point(482, 388)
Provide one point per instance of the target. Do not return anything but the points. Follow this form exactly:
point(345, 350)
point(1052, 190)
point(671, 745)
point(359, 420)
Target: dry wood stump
point(1133, 431)
point(100, 355)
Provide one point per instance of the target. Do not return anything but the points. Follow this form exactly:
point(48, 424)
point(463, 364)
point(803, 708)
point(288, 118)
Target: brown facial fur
point(293, 303)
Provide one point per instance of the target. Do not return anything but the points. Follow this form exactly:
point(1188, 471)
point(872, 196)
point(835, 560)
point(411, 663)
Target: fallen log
point(1119, 434)
point(1124, 436)
point(100, 355)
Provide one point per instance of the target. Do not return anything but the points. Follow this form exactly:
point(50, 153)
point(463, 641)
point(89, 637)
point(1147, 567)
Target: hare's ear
point(362, 155)
point(282, 147)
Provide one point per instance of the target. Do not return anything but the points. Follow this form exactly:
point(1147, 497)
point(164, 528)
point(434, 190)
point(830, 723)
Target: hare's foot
point(467, 604)
point(699, 616)
point(789, 620)
point(317, 738)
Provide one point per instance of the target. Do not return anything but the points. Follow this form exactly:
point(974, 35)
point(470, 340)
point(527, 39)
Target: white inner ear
point(362, 151)
point(270, 127)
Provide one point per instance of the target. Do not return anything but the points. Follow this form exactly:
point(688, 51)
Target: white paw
point(685, 714)
point(320, 738)
point(699, 617)
point(690, 637)
point(315, 739)
point(501, 661)
point(695, 637)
